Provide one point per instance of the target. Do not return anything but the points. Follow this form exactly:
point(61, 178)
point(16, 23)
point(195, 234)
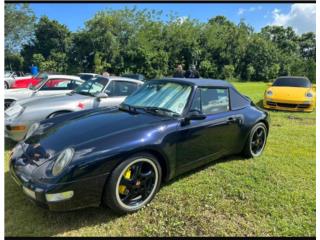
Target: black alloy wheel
point(133, 184)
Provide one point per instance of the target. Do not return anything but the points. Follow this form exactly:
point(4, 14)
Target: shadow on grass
point(205, 166)
point(24, 218)
point(260, 104)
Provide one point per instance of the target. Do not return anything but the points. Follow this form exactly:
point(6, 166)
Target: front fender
point(103, 155)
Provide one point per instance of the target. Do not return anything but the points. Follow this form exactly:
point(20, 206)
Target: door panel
point(206, 138)
point(203, 140)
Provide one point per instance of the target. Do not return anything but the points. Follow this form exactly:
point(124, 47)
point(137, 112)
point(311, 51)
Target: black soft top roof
point(201, 82)
point(238, 100)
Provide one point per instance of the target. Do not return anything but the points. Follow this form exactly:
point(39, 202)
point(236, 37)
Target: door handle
point(232, 120)
point(235, 120)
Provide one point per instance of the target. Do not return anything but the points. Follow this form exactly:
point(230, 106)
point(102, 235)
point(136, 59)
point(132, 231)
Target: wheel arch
point(161, 157)
point(265, 122)
point(9, 100)
point(59, 111)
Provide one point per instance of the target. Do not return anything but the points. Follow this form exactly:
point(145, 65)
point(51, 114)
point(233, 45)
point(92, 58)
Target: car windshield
point(92, 86)
point(166, 96)
point(292, 82)
point(43, 78)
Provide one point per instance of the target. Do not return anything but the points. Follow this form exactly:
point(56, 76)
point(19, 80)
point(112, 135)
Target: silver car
point(97, 92)
point(49, 85)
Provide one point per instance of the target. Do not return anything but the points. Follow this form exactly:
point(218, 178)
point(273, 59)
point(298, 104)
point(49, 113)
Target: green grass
point(273, 195)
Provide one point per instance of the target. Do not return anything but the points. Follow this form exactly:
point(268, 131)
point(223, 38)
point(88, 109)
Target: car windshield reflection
point(161, 97)
point(92, 86)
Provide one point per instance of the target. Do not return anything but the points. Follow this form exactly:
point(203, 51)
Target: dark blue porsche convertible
point(119, 156)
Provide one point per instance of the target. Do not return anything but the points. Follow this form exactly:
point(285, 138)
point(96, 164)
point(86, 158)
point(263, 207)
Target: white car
point(50, 85)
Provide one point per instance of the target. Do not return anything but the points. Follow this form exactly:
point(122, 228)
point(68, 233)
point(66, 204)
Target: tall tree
point(52, 40)
point(19, 26)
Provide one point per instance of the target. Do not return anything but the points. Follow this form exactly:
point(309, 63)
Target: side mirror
point(101, 95)
point(195, 115)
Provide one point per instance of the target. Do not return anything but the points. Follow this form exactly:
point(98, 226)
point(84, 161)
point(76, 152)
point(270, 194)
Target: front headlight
point(14, 111)
point(269, 93)
point(309, 95)
point(62, 161)
point(34, 127)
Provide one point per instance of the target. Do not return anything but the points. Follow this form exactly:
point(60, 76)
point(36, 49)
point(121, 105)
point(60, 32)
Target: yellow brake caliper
point(126, 175)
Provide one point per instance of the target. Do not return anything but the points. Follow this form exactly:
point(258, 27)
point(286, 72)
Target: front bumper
point(293, 106)
point(86, 192)
point(16, 135)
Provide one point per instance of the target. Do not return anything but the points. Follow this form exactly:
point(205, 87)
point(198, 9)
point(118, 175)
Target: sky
point(301, 17)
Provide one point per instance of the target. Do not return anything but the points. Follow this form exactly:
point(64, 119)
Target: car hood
point(52, 100)
point(17, 92)
point(289, 93)
point(93, 126)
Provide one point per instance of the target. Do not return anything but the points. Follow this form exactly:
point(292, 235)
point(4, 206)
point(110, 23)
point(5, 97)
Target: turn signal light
point(18, 128)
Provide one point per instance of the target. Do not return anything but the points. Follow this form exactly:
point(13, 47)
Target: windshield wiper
point(160, 109)
point(128, 108)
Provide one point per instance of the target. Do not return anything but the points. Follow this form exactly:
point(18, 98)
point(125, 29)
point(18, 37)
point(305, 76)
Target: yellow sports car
point(290, 94)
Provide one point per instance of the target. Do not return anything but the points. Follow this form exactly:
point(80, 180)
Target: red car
point(27, 82)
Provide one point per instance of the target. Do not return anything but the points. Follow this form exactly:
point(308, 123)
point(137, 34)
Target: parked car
point(28, 81)
point(50, 85)
point(291, 94)
point(120, 156)
point(10, 77)
point(97, 92)
point(137, 76)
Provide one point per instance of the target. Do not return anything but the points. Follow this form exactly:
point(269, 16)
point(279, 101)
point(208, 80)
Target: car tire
point(6, 85)
point(256, 141)
point(124, 202)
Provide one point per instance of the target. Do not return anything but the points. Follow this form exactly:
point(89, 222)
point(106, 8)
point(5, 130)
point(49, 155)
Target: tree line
point(139, 41)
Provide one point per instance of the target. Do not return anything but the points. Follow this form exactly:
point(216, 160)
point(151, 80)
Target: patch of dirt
point(302, 121)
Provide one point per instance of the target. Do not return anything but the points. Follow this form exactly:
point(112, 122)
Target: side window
point(121, 88)
point(214, 100)
point(196, 104)
point(59, 84)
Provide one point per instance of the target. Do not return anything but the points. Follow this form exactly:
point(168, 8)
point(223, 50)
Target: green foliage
point(250, 72)
point(19, 25)
point(52, 41)
point(99, 64)
point(38, 59)
point(228, 72)
point(138, 41)
point(55, 63)
point(13, 61)
point(208, 69)
point(261, 56)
